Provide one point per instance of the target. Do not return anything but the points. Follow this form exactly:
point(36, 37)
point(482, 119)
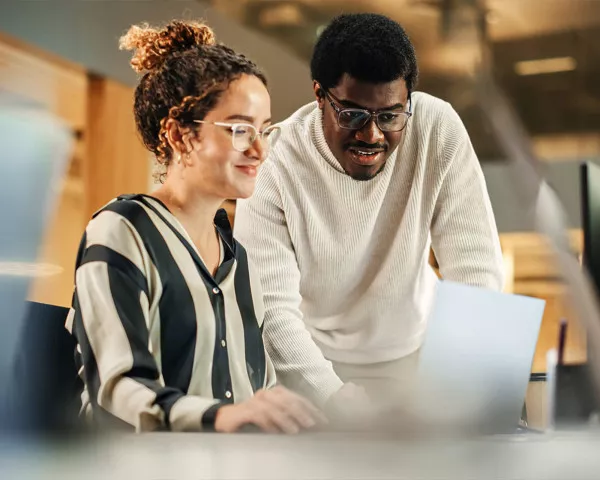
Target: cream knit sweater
point(344, 263)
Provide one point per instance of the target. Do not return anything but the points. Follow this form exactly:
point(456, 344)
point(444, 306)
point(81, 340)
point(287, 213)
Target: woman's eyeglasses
point(357, 118)
point(243, 135)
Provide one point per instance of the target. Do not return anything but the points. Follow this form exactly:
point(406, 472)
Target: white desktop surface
point(311, 456)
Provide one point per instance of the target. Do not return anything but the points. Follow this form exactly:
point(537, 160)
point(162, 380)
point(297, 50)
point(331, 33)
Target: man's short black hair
point(369, 47)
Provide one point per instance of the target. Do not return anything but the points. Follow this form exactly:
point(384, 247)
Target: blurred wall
point(87, 32)
point(562, 176)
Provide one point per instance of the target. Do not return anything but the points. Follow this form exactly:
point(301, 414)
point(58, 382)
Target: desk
point(168, 456)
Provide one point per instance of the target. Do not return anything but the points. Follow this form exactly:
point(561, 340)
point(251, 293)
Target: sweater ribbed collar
point(318, 138)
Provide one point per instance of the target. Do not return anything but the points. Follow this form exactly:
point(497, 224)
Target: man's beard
point(364, 177)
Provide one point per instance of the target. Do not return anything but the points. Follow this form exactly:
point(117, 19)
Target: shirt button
point(223, 343)
point(216, 290)
point(228, 394)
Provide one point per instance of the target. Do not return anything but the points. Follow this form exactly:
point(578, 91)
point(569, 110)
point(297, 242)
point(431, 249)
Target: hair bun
point(152, 46)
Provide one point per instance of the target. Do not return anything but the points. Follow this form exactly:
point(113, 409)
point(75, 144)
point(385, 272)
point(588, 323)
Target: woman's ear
point(175, 137)
point(190, 141)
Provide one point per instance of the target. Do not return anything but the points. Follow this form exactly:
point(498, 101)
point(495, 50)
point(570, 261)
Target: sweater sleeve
point(463, 232)
point(261, 227)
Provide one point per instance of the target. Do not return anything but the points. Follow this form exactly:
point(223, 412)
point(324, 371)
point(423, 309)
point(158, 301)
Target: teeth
point(361, 152)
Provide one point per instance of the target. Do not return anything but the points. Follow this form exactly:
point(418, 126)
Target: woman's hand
point(277, 410)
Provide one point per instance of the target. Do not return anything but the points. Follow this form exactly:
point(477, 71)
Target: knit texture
point(344, 263)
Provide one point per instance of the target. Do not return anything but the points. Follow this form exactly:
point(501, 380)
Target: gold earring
point(178, 157)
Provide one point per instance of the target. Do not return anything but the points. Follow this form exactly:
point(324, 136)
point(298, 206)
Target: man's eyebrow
point(350, 104)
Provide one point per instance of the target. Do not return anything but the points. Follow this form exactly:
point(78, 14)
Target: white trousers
point(386, 383)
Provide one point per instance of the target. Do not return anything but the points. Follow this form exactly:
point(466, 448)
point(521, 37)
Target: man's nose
point(370, 133)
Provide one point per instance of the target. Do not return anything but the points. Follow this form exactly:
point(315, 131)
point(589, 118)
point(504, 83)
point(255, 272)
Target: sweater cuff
point(325, 392)
point(319, 392)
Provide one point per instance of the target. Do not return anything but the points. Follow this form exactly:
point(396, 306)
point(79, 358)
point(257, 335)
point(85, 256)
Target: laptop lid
point(477, 355)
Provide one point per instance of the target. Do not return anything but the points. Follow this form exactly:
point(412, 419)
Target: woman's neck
point(196, 212)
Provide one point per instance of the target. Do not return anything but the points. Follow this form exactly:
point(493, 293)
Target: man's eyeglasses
point(357, 118)
point(243, 135)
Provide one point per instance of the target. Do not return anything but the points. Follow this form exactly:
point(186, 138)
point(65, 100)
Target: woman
point(167, 311)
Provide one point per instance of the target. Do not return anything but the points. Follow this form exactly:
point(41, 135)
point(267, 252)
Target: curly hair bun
point(152, 46)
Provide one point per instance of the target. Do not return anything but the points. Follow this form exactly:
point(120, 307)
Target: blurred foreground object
point(528, 185)
point(35, 149)
point(536, 195)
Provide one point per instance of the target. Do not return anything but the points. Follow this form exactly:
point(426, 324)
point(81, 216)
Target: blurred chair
point(47, 387)
point(36, 147)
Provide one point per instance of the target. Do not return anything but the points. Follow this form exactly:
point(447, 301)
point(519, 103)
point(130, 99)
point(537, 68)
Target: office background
point(62, 56)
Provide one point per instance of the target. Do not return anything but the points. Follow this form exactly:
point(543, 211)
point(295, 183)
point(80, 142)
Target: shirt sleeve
point(260, 226)
point(110, 323)
point(463, 232)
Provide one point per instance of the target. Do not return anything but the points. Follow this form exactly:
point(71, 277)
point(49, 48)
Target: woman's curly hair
point(184, 72)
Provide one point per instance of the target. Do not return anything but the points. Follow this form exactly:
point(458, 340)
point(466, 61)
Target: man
point(362, 183)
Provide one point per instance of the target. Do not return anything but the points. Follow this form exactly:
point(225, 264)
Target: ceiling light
point(545, 65)
point(285, 14)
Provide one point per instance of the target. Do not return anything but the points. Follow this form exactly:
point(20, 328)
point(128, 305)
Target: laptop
point(476, 358)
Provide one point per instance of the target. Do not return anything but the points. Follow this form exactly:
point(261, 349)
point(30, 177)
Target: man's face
point(362, 152)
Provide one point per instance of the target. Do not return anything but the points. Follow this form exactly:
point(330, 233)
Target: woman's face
point(214, 166)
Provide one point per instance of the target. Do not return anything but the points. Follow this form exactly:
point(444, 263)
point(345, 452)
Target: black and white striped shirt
point(161, 342)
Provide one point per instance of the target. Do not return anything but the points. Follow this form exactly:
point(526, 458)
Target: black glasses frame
point(371, 113)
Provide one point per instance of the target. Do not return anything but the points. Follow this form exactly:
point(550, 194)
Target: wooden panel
point(509, 271)
point(522, 241)
point(60, 246)
point(535, 274)
point(59, 87)
point(108, 158)
point(557, 308)
point(535, 265)
point(117, 160)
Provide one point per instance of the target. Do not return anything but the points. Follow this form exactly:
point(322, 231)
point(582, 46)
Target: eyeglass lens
point(244, 136)
point(387, 121)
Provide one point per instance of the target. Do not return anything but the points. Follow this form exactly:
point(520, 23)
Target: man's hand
point(350, 408)
point(350, 397)
point(275, 411)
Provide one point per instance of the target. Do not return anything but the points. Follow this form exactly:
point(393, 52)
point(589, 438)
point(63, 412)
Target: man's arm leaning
point(260, 226)
point(463, 232)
